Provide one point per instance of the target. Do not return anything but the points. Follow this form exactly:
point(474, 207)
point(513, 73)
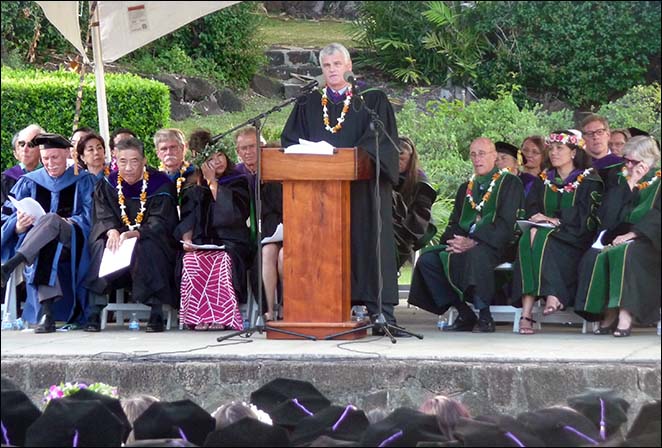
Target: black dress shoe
point(155, 324)
point(462, 324)
point(486, 325)
point(46, 324)
point(93, 324)
point(394, 332)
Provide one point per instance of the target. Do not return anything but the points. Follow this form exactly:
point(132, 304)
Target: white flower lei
point(341, 119)
point(143, 201)
point(478, 207)
point(568, 188)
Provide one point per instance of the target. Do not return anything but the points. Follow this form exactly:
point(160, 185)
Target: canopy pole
point(102, 106)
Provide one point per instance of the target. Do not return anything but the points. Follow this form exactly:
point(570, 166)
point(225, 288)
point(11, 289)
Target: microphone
point(350, 78)
point(318, 81)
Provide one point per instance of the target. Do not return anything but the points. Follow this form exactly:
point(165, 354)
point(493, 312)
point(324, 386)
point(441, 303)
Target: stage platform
point(498, 372)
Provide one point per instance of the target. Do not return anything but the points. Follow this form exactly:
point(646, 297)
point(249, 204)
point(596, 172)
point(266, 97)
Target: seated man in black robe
point(481, 226)
point(336, 115)
point(135, 202)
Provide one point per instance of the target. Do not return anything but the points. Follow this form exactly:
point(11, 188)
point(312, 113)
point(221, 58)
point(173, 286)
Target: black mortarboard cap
point(175, 419)
point(603, 407)
point(248, 432)
point(645, 429)
point(113, 405)
point(51, 141)
point(343, 423)
point(506, 148)
point(560, 426)
point(636, 131)
point(18, 413)
point(403, 427)
point(160, 442)
point(495, 430)
point(70, 422)
point(279, 390)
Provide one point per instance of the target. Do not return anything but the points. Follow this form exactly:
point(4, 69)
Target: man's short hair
point(594, 117)
point(116, 132)
point(246, 131)
point(131, 143)
point(334, 48)
point(164, 135)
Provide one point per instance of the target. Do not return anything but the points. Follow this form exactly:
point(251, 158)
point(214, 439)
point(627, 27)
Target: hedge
point(49, 99)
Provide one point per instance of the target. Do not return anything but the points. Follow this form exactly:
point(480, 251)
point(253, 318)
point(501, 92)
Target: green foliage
point(223, 46)
point(49, 99)
point(580, 52)
point(419, 42)
point(640, 107)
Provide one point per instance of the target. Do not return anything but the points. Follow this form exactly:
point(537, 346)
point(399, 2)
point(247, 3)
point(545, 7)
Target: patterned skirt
point(207, 292)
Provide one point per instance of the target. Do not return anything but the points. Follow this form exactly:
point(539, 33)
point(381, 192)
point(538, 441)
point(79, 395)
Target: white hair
point(334, 48)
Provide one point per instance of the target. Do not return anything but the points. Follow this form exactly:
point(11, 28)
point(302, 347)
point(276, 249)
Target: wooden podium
point(316, 238)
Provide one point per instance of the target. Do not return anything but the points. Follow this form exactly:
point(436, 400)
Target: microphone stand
point(260, 325)
point(380, 323)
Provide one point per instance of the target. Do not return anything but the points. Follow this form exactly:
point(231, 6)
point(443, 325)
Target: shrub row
point(49, 99)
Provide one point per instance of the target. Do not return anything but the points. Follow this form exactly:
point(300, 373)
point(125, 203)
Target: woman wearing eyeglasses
point(549, 251)
point(620, 283)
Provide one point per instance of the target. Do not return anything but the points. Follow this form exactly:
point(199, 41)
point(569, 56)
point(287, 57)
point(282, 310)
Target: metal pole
point(102, 106)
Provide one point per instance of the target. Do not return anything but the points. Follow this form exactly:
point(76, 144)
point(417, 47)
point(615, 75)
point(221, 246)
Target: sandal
point(216, 327)
point(201, 327)
point(549, 309)
point(609, 329)
point(622, 332)
point(527, 330)
point(268, 317)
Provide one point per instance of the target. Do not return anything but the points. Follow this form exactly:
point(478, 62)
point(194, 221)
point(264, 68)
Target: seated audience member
point(413, 198)
point(534, 154)
point(171, 148)
point(596, 134)
point(76, 136)
point(91, 155)
point(54, 243)
point(135, 202)
point(214, 211)
point(448, 412)
point(548, 255)
point(621, 283)
point(507, 157)
point(133, 408)
point(234, 411)
point(480, 227)
point(27, 155)
point(271, 198)
point(117, 136)
point(618, 139)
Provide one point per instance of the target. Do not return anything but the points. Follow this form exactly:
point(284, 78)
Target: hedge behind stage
point(49, 100)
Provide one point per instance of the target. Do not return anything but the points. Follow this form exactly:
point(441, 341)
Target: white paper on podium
point(276, 237)
point(114, 261)
point(321, 148)
point(29, 206)
point(525, 224)
point(205, 246)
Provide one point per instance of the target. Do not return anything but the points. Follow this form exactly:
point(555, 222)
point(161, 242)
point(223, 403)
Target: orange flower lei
point(106, 170)
point(486, 197)
point(345, 109)
point(143, 201)
point(568, 188)
point(642, 185)
point(181, 178)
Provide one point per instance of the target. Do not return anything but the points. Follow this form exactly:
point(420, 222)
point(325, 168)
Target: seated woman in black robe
point(134, 202)
point(620, 282)
point(412, 205)
point(214, 211)
point(549, 251)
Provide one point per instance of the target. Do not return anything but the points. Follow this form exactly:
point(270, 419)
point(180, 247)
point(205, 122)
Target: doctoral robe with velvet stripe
point(627, 275)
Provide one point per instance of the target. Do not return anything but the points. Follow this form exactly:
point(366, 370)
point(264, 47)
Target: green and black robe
point(628, 275)
point(549, 265)
point(471, 273)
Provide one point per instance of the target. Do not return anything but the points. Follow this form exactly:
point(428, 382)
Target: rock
point(301, 57)
point(175, 84)
point(266, 86)
point(275, 57)
point(208, 107)
point(179, 111)
point(228, 100)
point(292, 88)
point(197, 89)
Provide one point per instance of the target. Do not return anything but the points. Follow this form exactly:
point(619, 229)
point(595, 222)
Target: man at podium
point(336, 114)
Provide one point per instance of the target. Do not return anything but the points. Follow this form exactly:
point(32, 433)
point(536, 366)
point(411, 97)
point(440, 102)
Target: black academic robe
point(628, 275)
point(152, 266)
point(305, 122)
point(221, 222)
point(608, 168)
point(550, 266)
point(471, 273)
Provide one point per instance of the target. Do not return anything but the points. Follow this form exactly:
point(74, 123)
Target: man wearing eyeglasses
point(28, 160)
point(596, 134)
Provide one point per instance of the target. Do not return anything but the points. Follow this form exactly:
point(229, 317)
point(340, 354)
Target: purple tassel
point(580, 434)
point(182, 435)
point(4, 434)
point(512, 436)
point(75, 442)
point(302, 407)
point(603, 423)
point(397, 435)
point(342, 417)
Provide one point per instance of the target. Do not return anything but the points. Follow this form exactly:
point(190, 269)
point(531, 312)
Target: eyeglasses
point(631, 162)
point(24, 143)
point(480, 155)
point(596, 133)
